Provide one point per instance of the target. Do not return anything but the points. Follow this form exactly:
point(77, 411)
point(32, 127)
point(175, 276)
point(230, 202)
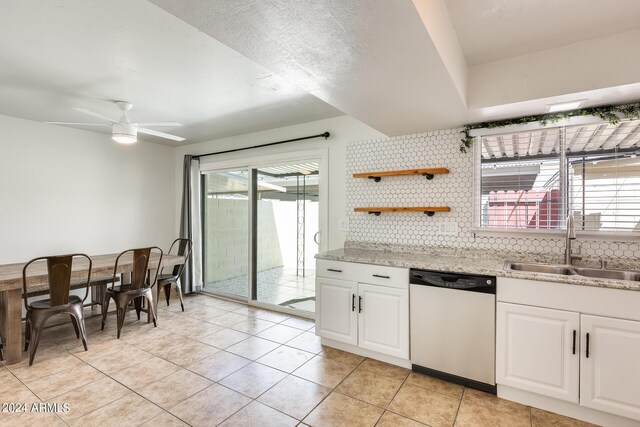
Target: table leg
point(156, 293)
point(11, 324)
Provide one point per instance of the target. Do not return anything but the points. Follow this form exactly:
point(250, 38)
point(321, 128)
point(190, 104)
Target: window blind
point(603, 172)
point(531, 179)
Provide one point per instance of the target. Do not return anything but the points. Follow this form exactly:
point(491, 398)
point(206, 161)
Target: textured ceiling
point(490, 30)
point(373, 60)
point(224, 67)
point(59, 54)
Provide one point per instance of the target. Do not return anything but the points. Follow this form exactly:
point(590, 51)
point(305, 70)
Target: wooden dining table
point(11, 289)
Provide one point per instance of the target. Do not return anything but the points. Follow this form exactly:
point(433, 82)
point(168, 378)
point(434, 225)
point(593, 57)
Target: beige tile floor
point(224, 363)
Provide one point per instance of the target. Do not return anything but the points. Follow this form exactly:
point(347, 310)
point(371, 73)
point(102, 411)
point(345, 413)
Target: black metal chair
point(60, 301)
point(184, 247)
point(141, 286)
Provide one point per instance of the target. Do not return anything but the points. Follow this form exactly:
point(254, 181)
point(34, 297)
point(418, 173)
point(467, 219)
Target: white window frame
point(258, 157)
point(251, 159)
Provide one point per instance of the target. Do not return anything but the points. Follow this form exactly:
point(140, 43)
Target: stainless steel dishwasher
point(453, 327)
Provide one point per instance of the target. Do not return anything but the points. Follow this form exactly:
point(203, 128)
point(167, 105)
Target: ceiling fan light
point(124, 138)
point(124, 133)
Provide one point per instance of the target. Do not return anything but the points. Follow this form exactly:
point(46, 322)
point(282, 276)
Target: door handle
point(359, 304)
point(353, 302)
point(334, 270)
point(587, 350)
point(574, 341)
point(315, 238)
point(381, 277)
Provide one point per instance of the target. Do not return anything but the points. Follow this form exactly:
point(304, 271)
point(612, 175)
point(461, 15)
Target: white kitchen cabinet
point(337, 316)
point(364, 306)
point(610, 365)
point(535, 361)
point(383, 323)
point(538, 351)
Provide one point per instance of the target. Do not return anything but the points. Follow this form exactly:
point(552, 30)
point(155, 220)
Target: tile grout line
point(125, 386)
point(32, 392)
point(128, 388)
point(394, 396)
point(146, 399)
point(287, 374)
point(252, 361)
point(321, 400)
point(135, 392)
point(141, 396)
point(315, 354)
point(386, 407)
point(455, 418)
point(254, 400)
point(333, 390)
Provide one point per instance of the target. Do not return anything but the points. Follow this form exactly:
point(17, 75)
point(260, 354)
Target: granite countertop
point(461, 264)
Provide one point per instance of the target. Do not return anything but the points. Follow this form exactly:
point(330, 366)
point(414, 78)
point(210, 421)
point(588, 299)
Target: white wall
point(66, 190)
point(594, 64)
point(343, 129)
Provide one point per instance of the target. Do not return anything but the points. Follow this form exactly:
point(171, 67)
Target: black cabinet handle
point(353, 302)
point(334, 270)
point(587, 352)
point(359, 304)
point(382, 277)
point(574, 341)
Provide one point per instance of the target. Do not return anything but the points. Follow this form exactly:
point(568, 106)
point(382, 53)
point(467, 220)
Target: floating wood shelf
point(377, 176)
point(428, 210)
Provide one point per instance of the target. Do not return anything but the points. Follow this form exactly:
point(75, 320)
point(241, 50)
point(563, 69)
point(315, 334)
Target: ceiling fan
point(122, 130)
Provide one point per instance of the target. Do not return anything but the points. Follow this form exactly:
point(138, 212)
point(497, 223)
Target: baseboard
point(367, 353)
point(568, 409)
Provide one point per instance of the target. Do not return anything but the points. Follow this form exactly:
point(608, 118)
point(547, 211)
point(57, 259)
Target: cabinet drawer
point(392, 277)
point(336, 270)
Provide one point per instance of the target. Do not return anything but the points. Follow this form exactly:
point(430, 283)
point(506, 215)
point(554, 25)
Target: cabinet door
point(383, 325)
point(535, 350)
point(610, 375)
point(337, 316)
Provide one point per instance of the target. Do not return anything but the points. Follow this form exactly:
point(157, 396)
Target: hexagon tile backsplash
point(437, 149)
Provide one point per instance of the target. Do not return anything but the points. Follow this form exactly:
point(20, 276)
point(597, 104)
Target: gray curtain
point(186, 227)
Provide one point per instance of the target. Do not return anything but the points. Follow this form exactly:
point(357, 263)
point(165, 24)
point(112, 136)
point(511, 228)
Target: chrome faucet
point(571, 236)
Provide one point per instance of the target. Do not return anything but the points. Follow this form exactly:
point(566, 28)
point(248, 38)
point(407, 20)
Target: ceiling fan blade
point(98, 115)
point(159, 124)
point(79, 124)
point(160, 134)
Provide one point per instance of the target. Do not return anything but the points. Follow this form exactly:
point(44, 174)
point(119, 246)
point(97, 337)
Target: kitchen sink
point(569, 270)
point(608, 274)
point(540, 268)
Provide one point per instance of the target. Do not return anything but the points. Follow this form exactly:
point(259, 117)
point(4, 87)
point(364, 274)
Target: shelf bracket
point(429, 213)
point(429, 176)
point(375, 178)
point(375, 213)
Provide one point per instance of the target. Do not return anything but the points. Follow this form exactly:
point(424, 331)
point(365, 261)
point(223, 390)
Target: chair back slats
point(59, 274)
point(59, 269)
point(141, 257)
point(184, 249)
point(140, 267)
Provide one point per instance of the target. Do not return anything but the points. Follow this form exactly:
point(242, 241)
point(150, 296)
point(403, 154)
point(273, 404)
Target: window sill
point(581, 235)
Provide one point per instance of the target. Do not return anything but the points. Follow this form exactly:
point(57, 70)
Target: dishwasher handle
point(462, 282)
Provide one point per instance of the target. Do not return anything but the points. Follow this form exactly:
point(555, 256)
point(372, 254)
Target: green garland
point(608, 113)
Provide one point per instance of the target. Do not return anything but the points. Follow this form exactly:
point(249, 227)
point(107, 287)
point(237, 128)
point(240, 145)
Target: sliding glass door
point(261, 231)
point(287, 229)
point(225, 225)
